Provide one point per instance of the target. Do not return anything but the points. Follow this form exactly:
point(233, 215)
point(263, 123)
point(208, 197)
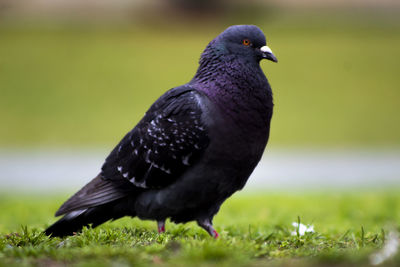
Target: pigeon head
point(243, 41)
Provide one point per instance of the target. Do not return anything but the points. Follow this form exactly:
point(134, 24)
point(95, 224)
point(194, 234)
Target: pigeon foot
point(161, 226)
point(215, 234)
point(206, 224)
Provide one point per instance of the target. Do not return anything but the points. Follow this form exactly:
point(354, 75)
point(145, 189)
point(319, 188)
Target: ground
point(255, 229)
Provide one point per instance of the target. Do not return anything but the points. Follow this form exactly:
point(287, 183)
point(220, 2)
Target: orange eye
point(246, 42)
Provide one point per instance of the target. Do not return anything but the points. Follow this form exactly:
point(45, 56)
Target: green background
point(337, 83)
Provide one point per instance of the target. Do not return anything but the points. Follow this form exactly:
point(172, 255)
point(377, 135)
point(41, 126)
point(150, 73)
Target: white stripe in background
point(279, 169)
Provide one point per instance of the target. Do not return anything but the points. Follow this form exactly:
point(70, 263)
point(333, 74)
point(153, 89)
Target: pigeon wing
point(167, 141)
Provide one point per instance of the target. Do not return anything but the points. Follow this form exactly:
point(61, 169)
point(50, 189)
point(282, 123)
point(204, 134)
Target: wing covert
point(169, 138)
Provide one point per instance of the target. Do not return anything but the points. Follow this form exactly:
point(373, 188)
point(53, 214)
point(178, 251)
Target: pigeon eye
point(246, 42)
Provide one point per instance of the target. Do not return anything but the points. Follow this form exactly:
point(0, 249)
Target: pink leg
point(215, 234)
point(206, 224)
point(161, 226)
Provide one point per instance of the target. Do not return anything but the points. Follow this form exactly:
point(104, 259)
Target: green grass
point(336, 83)
point(255, 230)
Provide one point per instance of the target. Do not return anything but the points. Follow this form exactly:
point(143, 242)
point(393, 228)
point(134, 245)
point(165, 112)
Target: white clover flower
point(302, 228)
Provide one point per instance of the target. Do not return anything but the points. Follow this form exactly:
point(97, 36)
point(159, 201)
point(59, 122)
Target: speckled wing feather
point(169, 138)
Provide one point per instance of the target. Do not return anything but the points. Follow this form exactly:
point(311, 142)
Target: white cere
point(266, 49)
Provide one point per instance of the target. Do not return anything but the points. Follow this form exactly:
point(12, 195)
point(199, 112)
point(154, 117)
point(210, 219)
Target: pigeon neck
point(225, 75)
point(217, 68)
point(238, 87)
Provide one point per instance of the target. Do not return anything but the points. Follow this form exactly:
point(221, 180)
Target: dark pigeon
point(195, 146)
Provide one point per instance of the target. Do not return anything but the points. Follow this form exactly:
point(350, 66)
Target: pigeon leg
point(206, 224)
point(161, 226)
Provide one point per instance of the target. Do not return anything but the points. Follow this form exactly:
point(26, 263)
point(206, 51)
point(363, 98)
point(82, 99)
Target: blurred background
point(75, 76)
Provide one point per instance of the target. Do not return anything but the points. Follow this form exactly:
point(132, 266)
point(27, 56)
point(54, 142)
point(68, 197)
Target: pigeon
point(194, 147)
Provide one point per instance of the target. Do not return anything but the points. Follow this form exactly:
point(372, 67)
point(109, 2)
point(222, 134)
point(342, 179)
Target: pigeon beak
point(267, 53)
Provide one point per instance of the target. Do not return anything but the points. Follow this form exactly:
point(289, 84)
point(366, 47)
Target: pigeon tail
point(74, 221)
point(97, 192)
